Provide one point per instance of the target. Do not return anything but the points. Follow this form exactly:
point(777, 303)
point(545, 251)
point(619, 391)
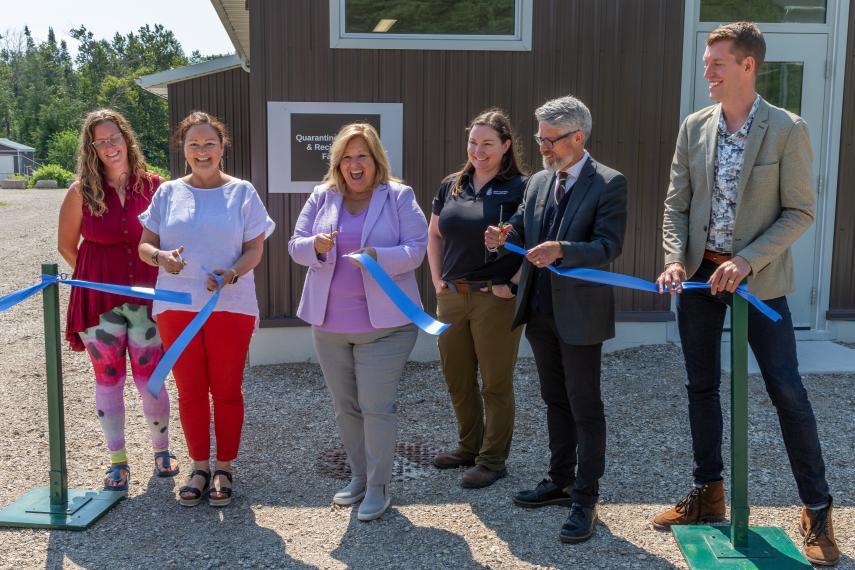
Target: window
point(431, 24)
point(780, 83)
point(764, 11)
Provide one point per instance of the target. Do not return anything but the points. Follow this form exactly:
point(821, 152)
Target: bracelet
point(233, 281)
point(154, 256)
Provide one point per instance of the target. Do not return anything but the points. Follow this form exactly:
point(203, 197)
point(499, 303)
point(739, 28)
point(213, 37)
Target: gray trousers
point(362, 372)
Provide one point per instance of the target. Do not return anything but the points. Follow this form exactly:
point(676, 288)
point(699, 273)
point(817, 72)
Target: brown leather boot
point(819, 545)
point(453, 459)
point(702, 505)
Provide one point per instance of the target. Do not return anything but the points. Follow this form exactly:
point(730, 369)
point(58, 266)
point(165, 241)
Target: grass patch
point(2, 203)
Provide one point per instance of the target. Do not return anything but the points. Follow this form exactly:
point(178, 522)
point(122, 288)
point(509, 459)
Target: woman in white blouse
point(201, 225)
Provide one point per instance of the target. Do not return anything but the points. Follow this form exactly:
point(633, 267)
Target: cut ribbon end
point(400, 299)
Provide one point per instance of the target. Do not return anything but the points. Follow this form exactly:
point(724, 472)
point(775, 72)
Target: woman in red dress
point(112, 188)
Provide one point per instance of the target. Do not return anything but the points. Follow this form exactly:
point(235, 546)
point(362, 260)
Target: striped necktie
point(559, 188)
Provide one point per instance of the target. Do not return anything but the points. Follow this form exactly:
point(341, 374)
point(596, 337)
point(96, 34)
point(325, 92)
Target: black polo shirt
point(464, 218)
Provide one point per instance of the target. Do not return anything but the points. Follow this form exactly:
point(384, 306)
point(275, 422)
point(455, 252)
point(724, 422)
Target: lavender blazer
point(394, 225)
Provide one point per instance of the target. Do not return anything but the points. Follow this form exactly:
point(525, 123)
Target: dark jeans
point(570, 387)
point(700, 317)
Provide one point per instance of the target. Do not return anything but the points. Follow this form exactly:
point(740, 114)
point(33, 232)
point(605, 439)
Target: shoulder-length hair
point(511, 165)
point(90, 169)
point(383, 173)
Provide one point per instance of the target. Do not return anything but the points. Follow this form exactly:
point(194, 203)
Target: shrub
point(162, 172)
point(52, 172)
point(62, 149)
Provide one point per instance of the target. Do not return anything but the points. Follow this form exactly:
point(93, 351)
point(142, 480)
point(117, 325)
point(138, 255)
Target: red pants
point(212, 363)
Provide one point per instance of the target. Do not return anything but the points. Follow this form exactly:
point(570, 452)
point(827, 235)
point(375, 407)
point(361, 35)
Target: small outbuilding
point(15, 158)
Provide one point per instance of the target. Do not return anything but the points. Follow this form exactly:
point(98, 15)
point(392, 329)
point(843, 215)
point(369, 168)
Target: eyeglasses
point(115, 140)
point(549, 143)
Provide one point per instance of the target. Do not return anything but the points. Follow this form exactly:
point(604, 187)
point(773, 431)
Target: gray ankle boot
point(351, 494)
point(375, 503)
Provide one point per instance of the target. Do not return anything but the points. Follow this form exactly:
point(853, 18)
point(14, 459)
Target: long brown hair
point(511, 165)
point(90, 169)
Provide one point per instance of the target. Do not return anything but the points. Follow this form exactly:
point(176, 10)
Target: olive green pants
point(480, 338)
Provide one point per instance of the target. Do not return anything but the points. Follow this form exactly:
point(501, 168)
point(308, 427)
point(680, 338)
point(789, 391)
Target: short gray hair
point(567, 111)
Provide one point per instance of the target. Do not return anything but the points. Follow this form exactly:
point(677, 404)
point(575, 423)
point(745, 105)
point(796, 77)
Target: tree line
point(45, 93)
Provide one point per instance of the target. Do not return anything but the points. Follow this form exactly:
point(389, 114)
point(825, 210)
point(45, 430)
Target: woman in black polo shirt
point(475, 294)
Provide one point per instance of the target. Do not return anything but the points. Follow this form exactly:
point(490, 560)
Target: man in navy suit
point(573, 215)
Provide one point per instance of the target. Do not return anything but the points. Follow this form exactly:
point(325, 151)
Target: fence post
point(56, 411)
point(56, 506)
point(739, 422)
point(740, 545)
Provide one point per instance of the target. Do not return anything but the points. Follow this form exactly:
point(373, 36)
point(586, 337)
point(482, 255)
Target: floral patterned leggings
point(126, 329)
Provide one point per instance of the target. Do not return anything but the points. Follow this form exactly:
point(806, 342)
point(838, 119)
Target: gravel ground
point(282, 516)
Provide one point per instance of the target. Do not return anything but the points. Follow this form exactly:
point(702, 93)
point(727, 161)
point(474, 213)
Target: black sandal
point(224, 492)
point(198, 494)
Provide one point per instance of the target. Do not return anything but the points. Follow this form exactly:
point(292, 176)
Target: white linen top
point(212, 224)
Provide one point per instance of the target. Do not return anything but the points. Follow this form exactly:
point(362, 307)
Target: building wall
point(842, 298)
point(622, 57)
point(225, 95)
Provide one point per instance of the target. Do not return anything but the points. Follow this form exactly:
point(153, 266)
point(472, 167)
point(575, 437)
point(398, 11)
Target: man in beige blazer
point(740, 195)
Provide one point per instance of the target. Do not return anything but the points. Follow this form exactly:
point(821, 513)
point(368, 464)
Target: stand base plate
point(769, 547)
point(34, 509)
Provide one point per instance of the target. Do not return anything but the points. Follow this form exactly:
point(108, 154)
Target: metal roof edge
point(157, 82)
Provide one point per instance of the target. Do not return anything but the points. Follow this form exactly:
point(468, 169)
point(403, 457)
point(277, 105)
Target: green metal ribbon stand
point(740, 545)
point(56, 506)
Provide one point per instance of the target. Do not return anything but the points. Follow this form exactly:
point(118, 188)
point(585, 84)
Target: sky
point(194, 22)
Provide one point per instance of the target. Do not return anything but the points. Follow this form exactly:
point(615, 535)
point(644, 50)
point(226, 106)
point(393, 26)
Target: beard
point(553, 164)
point(549, 165)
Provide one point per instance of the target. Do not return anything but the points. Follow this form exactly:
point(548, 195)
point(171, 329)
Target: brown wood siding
point(841, 303)
point(622, 57)
point(225, 95)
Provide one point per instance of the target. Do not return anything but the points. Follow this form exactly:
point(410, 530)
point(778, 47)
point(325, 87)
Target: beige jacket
point(775, 202)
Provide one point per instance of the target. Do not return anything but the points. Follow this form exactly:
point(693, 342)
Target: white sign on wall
point(300, 134)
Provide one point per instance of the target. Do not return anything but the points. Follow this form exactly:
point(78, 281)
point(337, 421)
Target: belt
point(468, 286)
point(716, 257)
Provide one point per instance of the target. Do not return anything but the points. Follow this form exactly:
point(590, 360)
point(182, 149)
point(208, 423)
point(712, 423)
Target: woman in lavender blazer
point(362, 340)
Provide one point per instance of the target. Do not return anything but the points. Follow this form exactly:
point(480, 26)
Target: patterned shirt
point(728, 167)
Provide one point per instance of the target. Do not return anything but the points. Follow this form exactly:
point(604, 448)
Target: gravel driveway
point(287, 472)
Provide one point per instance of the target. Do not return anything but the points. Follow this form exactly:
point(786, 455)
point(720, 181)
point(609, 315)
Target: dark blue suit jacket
point(591, 234)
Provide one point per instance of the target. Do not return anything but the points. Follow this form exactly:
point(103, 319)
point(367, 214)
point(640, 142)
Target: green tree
point(44, 94)
point(62, 149)
point(7, 100)
point(147, 113)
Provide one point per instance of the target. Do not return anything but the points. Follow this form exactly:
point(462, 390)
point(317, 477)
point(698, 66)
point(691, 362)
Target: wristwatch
point(513, 287)
point(154, 256)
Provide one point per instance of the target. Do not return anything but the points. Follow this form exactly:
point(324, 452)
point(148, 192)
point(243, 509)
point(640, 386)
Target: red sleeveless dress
point(108, 254)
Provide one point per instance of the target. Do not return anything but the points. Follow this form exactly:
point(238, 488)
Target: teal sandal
point(115, 474)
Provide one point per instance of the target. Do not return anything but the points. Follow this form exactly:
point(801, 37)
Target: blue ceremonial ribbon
point(13, 299)
point(630, 282)
point(131, 291)
point(410, 310)
point(170, 357)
